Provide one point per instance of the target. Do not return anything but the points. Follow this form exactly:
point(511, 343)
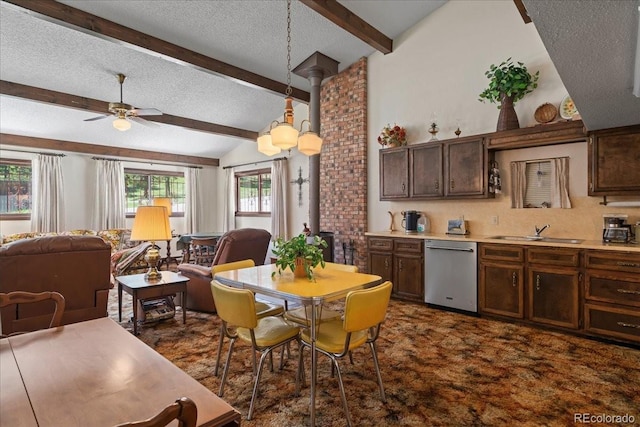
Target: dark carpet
point(439, 369)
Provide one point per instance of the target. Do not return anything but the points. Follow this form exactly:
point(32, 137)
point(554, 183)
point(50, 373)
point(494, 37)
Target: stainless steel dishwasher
point(451, 274)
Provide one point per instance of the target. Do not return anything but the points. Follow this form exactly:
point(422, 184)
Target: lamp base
point(152, 256)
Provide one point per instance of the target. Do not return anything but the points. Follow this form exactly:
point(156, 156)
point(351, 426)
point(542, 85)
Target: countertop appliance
point(410, 221)
point(451, 274)
point(615, 230)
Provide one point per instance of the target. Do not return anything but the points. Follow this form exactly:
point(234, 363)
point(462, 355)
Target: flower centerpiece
point(395, 136)
point(299, 255)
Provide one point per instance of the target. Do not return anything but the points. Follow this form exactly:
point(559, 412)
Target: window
point(15, 189)
point(538, 194)
point(253, 193)
point(142, 186)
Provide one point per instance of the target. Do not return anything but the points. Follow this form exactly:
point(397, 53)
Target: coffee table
point(136, 286)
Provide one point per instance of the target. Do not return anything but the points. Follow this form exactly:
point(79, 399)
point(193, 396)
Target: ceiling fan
point(125, 112)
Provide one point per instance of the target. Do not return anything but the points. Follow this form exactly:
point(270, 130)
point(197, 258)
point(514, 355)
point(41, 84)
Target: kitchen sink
point(537, 239)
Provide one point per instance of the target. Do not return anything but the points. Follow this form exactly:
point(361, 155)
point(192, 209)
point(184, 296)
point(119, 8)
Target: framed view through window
point(15, 189)
point(142, 186)
point(253, 193)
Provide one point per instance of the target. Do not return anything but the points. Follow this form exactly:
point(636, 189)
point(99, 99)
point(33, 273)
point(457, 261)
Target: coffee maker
point(410, 221)
point(615, 229)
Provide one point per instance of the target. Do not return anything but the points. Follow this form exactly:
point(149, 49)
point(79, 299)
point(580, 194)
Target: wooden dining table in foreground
point(329, 285)
point(94, 373)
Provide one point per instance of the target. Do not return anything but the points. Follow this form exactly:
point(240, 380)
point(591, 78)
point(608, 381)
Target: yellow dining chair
point(263, 309)
point(236, 308)
point(22, 297)
point(364, 312)
point(302, 315)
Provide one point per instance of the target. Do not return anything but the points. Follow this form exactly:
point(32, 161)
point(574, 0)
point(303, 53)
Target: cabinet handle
point(453, 184)
point(515, 279)
point(437, 184)
point(628, 291)
point(386, 264)
point(537, 282)
point(628, 325)
point(403, 186)
point(628, 264)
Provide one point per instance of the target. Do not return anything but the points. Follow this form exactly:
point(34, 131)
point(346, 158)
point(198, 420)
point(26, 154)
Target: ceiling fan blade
point(143, 122)
point(97, 118)
point(145, 112)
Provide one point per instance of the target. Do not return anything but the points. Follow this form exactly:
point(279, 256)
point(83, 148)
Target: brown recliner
point(75, 266)
point(234, 245)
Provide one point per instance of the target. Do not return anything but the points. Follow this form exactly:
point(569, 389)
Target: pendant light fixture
point(284, 136)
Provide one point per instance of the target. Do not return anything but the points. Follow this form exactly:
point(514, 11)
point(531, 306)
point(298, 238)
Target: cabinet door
point(501, 289)
point(408, 281)
point(614, 162)
point(465, 163)
point(554, 296)
point(425, 167)
point(380, 264)
point(394, 173)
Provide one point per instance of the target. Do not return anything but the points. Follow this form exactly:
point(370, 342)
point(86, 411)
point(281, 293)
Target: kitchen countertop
point(585, 244)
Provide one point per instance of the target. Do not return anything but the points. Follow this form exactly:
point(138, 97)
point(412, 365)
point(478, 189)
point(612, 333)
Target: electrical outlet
point(494, 220)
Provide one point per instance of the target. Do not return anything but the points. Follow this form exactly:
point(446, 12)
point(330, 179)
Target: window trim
point(18, 216)
point(254, 172)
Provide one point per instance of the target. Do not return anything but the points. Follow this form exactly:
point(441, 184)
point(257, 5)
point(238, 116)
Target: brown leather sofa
point(75, 266)
point(234, 245)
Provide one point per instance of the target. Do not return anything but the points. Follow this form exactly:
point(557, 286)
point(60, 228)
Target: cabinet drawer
point(412, 246)
point(376, 244)
point(612, 321)
point(613, 287)
point(618, 261)
point(502, 252)
point(554, 256)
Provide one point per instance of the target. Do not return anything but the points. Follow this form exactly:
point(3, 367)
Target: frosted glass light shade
point(266, 147)
point(151, 224)
point(310, 143)
point(284, 136)
point(122, 124)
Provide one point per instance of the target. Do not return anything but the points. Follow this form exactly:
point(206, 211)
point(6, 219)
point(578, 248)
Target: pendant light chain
point(288, 91)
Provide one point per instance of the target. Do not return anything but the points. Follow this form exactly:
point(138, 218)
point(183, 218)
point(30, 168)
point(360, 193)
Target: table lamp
point(163, 201)
point(151, 224)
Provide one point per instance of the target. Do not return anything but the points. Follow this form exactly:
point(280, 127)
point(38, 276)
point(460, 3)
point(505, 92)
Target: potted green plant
point(508, 83)
point(298, 255)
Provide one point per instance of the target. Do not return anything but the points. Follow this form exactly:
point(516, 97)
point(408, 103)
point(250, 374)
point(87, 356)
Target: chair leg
point(300, 376)
point(342, 394)
point(215, 372)
point(375, 362)
point(255, 385)
point(226, 368)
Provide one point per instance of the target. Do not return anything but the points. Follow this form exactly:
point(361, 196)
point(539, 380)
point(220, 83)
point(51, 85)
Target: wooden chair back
point(22, 297)
point(184, 410)
point(203, 250)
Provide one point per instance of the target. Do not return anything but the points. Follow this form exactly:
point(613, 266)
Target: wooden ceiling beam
point(101, 107)
point(94, 25)
point(102, 150)
point(523, 11)
point(352, 23)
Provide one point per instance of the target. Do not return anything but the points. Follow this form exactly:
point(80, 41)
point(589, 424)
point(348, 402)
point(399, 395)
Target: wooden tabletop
point(95, 373)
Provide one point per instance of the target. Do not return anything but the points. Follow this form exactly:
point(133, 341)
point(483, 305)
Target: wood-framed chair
point(203, 250)
point(22, 297)
point(184, 410)
point(236, 309)
point(364, 312)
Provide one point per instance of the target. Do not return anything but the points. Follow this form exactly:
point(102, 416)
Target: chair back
point(235, 306)
point(184, 410)
point(21, 297)
point(341, 267)
point(203, 249)
point(237, 265)
point(243, 243)
point(366, 308)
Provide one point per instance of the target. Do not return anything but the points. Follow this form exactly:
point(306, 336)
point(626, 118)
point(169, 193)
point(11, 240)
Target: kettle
point(410, 221)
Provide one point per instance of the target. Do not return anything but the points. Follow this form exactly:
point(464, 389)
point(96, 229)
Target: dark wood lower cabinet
point(501, 289)
point(402, 262)
point(554, 297)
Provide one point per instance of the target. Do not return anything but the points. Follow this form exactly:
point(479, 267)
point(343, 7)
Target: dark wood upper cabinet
point(467, 165)
point(425, 166)
point(614, 162)
point(394, 173)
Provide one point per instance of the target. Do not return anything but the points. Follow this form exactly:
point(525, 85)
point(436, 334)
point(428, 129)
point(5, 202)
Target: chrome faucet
point(540, 230)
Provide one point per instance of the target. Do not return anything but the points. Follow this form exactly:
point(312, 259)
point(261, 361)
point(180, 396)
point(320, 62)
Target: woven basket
point(545, 113)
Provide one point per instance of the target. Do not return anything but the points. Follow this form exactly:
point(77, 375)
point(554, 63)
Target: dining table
point(94, 373)
point(184, 242)
point(327, 285)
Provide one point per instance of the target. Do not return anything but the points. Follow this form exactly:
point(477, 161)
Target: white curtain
point(279, 180)
point(518, 184)
point(109, 207)
point(47, 207)
point(229, 221)
point(560, 183)
point(192, 200)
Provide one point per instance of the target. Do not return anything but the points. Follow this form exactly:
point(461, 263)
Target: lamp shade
point(150, 224)
point(309, 143)
point(163, 201)
point(122, 124)
point(284, 136)
point(266, 147)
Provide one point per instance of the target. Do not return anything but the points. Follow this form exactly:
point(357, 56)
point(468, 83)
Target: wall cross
point(300, 181)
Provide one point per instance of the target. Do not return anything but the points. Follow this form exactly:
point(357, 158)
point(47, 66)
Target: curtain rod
point(147, 162)
point(254, 163)
point(33, 152)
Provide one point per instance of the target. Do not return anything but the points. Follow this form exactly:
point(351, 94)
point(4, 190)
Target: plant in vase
point(298, 255)
point(393, 136)
point(508, 83)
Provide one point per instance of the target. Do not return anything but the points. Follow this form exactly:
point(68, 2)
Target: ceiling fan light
point(309, 143)
point(284, 136)
point(122, 124)
point(266, 147)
